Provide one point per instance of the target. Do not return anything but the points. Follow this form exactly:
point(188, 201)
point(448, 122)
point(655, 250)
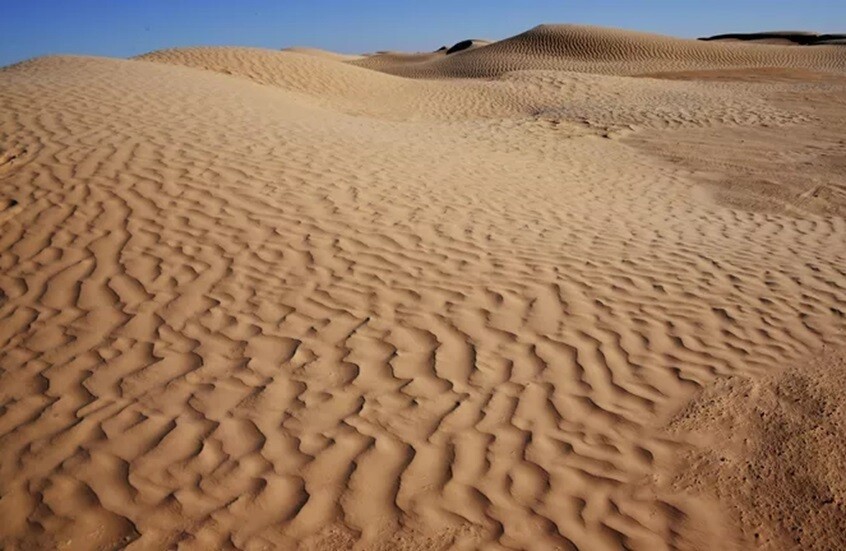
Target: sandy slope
point(258, 299)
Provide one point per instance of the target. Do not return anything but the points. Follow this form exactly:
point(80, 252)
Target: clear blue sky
point(122, 28)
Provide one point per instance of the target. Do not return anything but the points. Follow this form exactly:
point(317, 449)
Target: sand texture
point(576, 289)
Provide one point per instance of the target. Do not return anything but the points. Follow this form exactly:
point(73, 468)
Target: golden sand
point(517, 296)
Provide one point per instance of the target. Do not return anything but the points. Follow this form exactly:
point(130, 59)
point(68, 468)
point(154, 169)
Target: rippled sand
point(576, 289)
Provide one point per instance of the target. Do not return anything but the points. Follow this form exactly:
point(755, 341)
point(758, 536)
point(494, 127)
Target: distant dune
point(606, 51)
point(581, 288)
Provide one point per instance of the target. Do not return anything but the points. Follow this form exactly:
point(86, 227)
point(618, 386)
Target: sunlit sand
point(581, 288)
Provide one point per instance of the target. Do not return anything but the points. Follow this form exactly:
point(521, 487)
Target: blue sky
point(122, 28)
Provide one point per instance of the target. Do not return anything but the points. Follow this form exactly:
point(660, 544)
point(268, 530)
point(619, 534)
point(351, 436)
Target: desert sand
point(581, 288)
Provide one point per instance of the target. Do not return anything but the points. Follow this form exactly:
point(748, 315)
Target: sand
point(577, 289)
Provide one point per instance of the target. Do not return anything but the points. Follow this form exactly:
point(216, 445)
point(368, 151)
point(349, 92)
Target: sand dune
point(606, 51)
point(598, 101)
point(275, 299)
point(354, 90)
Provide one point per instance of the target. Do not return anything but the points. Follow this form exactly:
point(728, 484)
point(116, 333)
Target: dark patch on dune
point(465, 45)
point(801, 38)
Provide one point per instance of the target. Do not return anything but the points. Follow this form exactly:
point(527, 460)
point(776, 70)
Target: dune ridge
point(256, 299)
